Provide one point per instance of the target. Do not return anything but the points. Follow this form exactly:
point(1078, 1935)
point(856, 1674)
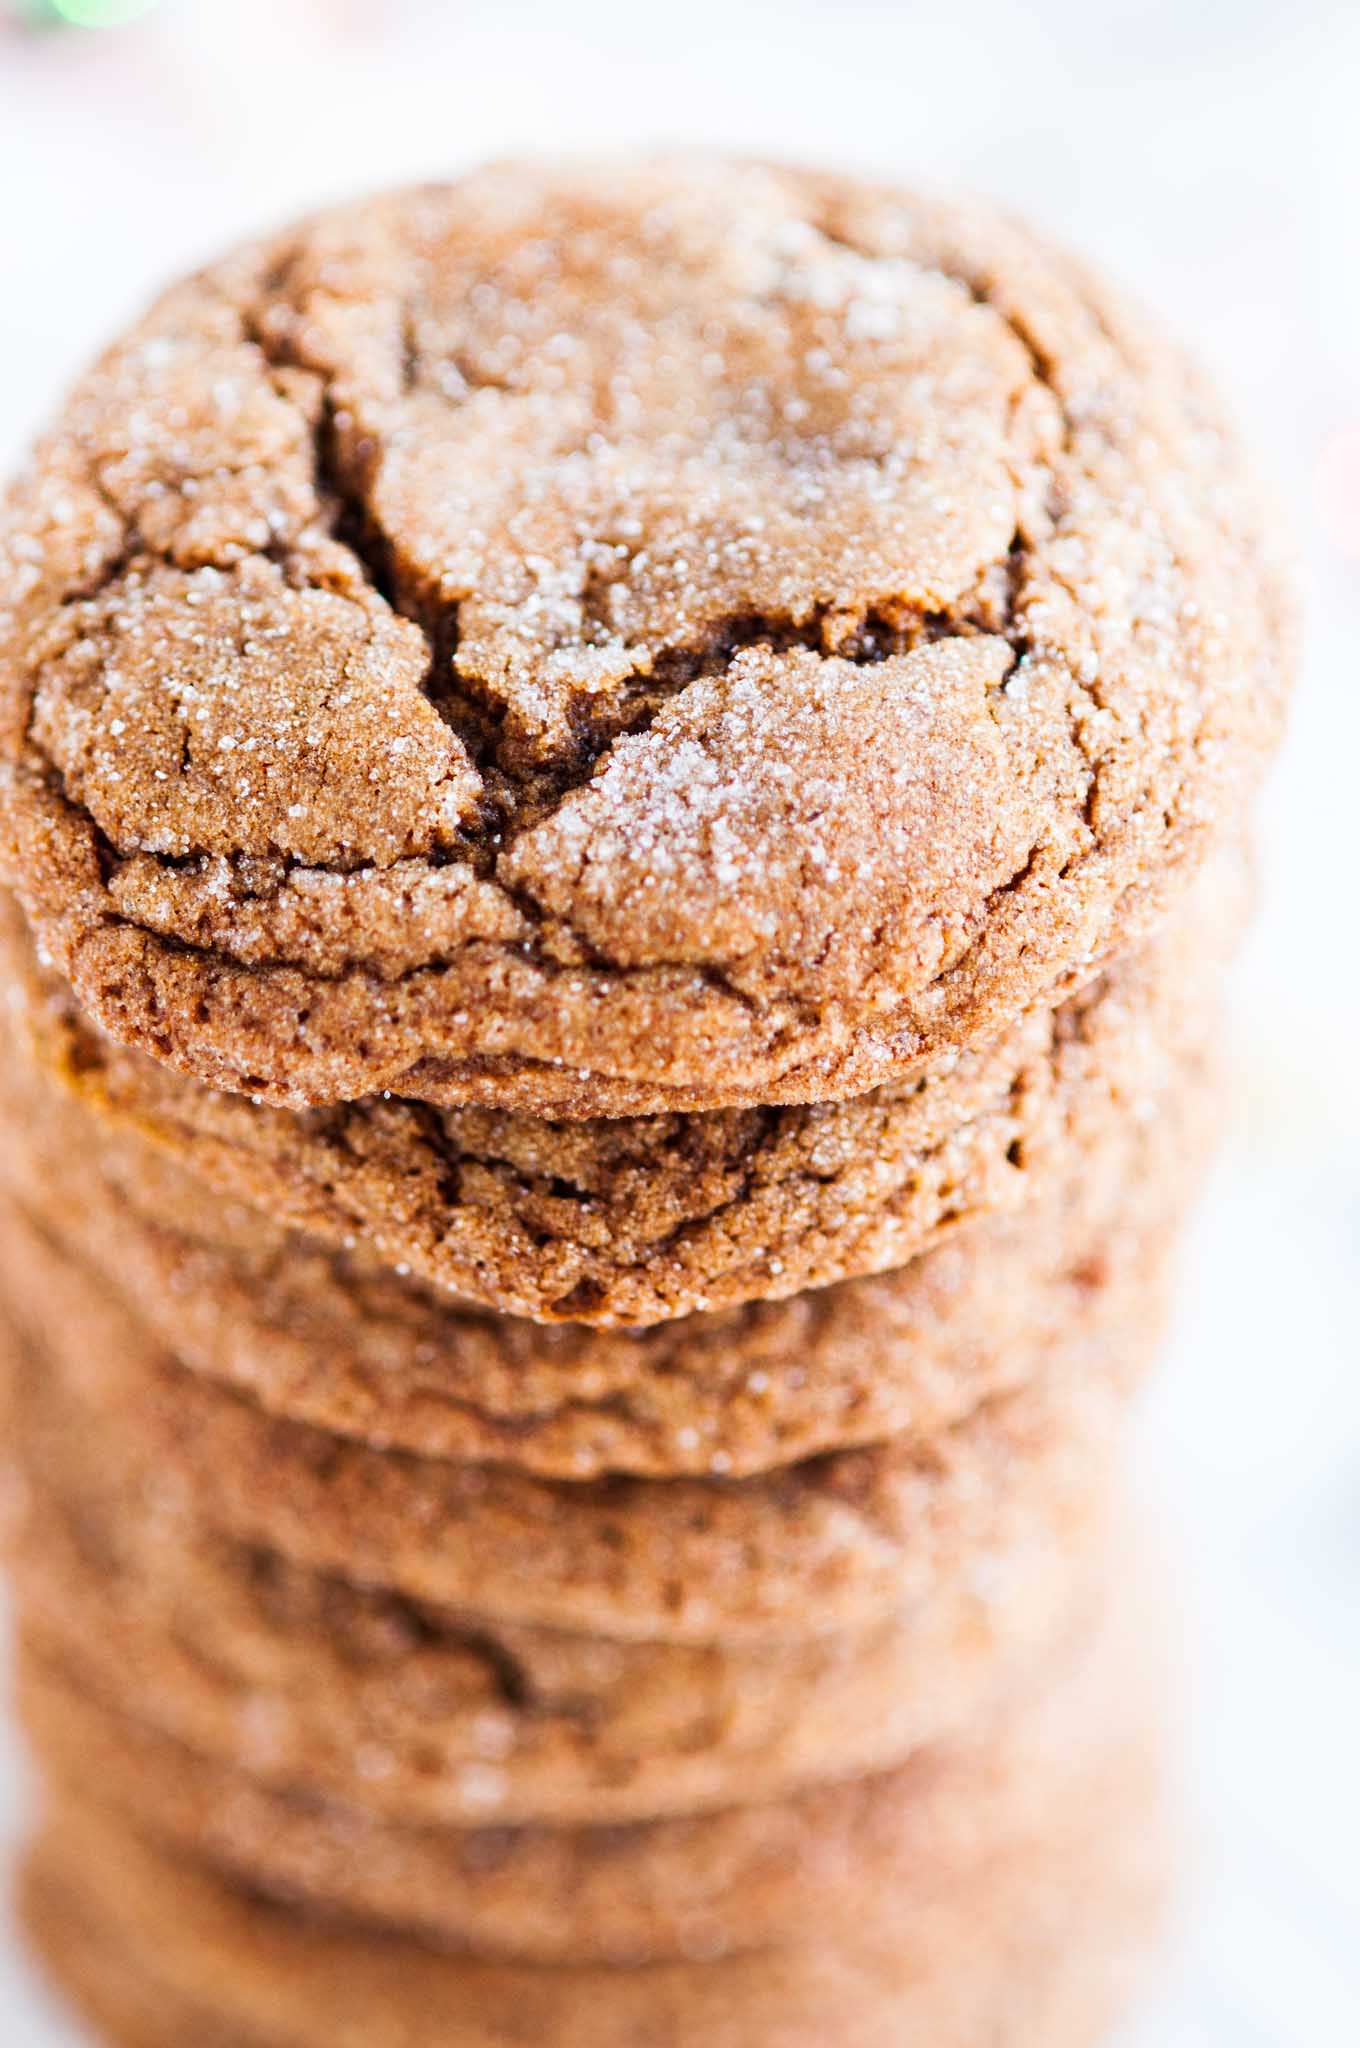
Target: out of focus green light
point(100, 13)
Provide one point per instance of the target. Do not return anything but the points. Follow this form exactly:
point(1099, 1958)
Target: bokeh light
point(100, 13)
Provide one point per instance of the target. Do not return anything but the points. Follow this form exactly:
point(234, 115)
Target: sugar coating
point(602, 641)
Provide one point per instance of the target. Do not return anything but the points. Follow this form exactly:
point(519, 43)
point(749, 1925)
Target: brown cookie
point(1053, 1955)
point(827, 1544)
point(1040, 1936)
point(615, 641)
point(335, 1339)
point(746, 1877)
point(348, 1695)
point(427, 1714)
point(641, 1220)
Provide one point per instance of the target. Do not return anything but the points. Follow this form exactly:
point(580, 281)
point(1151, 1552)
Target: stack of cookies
point(624, 795)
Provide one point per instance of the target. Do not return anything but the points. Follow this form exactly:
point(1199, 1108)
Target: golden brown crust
point(760, 633)
point(640, 1220)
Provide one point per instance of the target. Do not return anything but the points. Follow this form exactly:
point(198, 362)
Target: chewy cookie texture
point(626, 1221)
point(596, 645)
point(624, 804)
point(334, 1338)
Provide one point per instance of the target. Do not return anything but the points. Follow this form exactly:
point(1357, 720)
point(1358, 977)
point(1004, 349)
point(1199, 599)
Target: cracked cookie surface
point(332, 1337)
point(601, 643)
point(640, 1220)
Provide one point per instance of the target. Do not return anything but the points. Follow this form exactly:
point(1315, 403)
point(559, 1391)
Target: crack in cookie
point(596, 646)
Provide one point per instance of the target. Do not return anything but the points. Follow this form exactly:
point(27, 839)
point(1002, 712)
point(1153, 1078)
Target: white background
point(1208, 153)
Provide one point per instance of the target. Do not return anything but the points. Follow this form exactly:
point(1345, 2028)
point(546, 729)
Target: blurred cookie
point(828, 1544)
point(419, 1714)
point(427, 1712)
point(746, 1877)
point(1040, 1935)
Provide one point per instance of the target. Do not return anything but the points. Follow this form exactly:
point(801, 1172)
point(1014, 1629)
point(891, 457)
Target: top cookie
point(608, 641)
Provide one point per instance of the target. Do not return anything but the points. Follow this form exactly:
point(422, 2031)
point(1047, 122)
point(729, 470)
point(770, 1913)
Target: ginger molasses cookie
point(335, 1338)
point(830, 1543)
point(423, 1713)
point(1047, 1942)
point(745, 1877)
point(1039, 1933)
point(602, 641)
point(336, 1694)
point(638, 1220)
